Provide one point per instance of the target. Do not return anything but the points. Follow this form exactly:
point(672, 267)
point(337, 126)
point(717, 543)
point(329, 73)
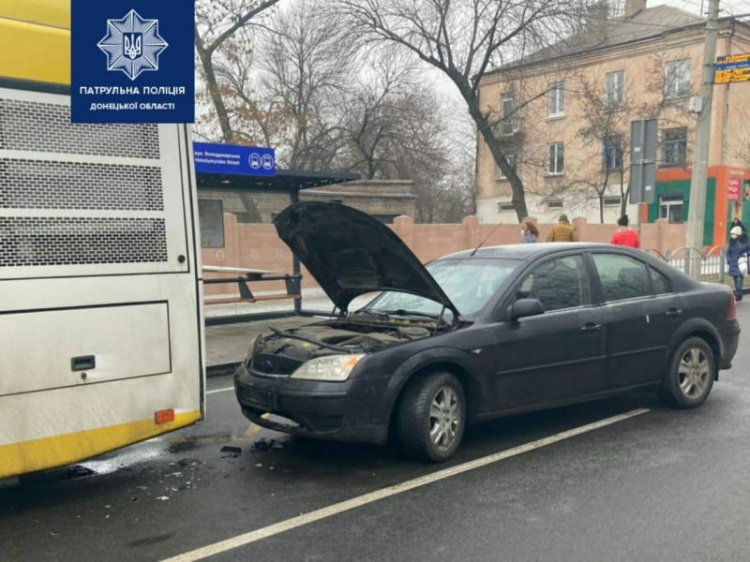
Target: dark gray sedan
point(475, 335)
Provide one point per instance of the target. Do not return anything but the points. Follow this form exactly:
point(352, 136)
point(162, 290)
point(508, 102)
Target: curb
point(222, 369)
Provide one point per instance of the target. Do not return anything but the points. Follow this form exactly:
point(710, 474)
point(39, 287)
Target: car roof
point(526, 251)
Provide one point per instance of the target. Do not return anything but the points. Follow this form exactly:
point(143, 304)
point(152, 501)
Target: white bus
point(101, 329)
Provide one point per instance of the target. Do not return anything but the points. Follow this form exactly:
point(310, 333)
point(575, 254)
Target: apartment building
point(563, 115)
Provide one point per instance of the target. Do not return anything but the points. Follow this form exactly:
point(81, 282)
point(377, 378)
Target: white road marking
point(227, 389)
point(335, 509)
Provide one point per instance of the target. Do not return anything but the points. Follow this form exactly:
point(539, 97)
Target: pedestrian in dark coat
point(738, 222)
point(735, 251)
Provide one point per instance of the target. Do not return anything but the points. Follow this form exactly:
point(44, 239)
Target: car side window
point(622, 277)
point(558, 283)
point(660, 283)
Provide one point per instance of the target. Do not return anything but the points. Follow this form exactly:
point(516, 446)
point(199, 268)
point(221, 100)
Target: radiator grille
point(274, 364)
point(42, 184)
point(46, 127)
point(44, 241)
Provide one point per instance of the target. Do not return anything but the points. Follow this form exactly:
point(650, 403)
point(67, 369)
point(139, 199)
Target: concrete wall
point(257, 246)
point(384, 199)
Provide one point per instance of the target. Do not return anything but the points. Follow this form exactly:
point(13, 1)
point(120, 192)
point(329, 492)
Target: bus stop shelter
point(290, 182)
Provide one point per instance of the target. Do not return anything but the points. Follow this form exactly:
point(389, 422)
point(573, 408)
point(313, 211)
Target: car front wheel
point(431, 417)
point(691, 374)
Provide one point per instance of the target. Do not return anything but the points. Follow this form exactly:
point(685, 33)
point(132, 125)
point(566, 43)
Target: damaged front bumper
point(324, 410)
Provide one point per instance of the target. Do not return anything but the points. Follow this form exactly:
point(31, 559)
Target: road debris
point(231, 452)
point(264, 444)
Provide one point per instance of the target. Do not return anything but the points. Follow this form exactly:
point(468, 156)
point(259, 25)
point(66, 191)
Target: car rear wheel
point(691, 374)
point(431, 417)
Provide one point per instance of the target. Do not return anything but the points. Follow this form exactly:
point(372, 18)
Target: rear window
point(659, 282)
point(622, 277)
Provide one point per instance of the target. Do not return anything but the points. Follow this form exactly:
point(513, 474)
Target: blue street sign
point(234, 159)
point(732, 65)
point(732, 68)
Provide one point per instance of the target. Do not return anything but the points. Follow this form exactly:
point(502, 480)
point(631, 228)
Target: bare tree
point(395, 130)
point(606, 123)
point(464, 39)
point(306, 68)
point(380, 114)
point(216, 22)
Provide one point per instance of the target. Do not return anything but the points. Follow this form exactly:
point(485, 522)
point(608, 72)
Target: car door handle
point(591, 328)
point(674, 313)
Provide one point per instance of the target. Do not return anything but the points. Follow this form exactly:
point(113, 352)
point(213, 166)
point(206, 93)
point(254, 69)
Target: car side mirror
point(523, 308)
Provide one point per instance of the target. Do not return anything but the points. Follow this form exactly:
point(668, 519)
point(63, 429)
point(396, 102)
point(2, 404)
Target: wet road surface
point(664, 485)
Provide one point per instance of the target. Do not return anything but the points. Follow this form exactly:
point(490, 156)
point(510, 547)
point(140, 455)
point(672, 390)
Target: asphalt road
point(663, 485)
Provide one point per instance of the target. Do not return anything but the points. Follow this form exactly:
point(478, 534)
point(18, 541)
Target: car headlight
point(335, 368)
point(251, 349)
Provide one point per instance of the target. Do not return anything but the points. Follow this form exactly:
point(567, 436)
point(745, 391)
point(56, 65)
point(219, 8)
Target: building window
point(615, 88)
point(674, 146)
point(670, 208)
point(512, 161)
point(509, 121)
point(553, 204)
point(556, 160)
point(612, 201)
point(556, 100)
point(211, 217)
point(677, 79)
point(504, 207)
point(612, 154)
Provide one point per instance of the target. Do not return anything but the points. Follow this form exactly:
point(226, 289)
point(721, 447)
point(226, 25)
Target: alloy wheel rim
point(445, 417)
point(694, 373)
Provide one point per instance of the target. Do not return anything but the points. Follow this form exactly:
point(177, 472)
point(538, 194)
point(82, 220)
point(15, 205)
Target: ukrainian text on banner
point(133, 61)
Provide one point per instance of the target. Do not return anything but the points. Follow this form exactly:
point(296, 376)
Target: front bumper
point(324, 410)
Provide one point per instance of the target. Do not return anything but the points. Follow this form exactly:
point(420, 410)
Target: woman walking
point(529, 232)
point(625, 236)
point(738, 222)
point(737, 248)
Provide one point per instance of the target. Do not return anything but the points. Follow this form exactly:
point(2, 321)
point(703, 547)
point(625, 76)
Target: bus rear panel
point(101, 338)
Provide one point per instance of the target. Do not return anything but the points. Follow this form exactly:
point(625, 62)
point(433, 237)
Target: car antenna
point(485, 240)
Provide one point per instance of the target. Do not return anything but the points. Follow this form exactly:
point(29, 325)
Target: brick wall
point(257, 246)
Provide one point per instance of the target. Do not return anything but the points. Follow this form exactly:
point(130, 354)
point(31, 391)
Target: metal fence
point(712, 262)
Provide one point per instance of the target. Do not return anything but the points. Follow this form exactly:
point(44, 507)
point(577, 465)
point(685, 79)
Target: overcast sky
point(731, 6)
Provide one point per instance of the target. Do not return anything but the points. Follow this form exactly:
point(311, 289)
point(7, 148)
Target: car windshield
point(469, 284)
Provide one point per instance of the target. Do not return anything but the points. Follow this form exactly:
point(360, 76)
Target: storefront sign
point(735, 189)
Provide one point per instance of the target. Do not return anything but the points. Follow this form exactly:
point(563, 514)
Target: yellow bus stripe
point(55, 13)
point(51, 452)
point(34, 52)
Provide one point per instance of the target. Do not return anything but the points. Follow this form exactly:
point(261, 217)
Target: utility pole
point(697, 214)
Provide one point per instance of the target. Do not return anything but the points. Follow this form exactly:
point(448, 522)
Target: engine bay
point(282, 352)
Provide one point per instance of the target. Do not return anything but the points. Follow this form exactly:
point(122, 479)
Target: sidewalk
point(227, 345)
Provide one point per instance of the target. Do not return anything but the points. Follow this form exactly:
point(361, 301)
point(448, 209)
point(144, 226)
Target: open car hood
point(350, 253)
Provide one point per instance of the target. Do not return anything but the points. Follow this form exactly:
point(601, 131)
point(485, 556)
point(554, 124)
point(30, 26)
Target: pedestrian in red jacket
point(625, 236)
